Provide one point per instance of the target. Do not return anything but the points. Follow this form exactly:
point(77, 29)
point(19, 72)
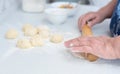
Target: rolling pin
point(86, 31)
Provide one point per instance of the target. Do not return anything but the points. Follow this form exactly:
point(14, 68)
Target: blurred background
point(91, 2)
point(13, 4)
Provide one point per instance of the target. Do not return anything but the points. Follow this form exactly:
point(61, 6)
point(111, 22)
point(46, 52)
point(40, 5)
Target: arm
point(102, 46)
point(108, 9)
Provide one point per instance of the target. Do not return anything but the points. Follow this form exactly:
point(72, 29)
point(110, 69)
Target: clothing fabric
point(115, 21)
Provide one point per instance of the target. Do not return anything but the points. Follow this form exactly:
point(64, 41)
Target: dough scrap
point(23, 44)
point(56, 38)
point(36, 41)
point(11, 34)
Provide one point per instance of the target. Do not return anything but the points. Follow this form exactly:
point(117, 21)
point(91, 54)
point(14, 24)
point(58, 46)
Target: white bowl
point(56, 16)
point(71, 11)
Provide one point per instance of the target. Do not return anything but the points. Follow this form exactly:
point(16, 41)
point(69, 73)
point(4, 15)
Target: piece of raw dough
point(42, 28)
point(56, 38)
point(44, 34)
point(30, 32)
point(43, 31)
point(36, 41)
point(11, 34)
point(23, 44)
point(27, 27)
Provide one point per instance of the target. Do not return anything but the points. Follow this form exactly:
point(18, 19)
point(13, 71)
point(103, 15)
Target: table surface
point(52, 58)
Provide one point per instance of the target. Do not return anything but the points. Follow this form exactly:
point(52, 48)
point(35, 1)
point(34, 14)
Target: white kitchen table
point(51, 58)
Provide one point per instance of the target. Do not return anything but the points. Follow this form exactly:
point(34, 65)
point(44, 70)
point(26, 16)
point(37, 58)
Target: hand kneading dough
point(30, 32)
point(11, 34)
point(23, 44)
point(56, 38)
point(36, 41)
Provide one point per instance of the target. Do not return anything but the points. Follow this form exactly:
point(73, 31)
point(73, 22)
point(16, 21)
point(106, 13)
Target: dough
point(43, 28)
point(11, 34)
point(30, 32)
point(44, 34)
point(87, 31)
point(36, 41)
point(23, 44)
point(87, 56)
point(27, 27)
point(91, 57)
point(43, 31)
point(56, 38)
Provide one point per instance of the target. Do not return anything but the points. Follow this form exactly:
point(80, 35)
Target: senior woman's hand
point(91, 18)
point(102, 46)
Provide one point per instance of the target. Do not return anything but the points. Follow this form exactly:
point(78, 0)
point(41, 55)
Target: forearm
point(107, 10)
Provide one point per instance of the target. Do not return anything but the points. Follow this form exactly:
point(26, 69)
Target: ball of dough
point(37, 41)
point(43, 28)
point(56, 38)
point(23, 44)
point(30, 32)
point(27, 27)
point(11, 34)
point(44, 34)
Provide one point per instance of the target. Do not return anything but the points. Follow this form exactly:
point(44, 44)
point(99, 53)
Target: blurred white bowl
point(56, 16)
point(71, 11)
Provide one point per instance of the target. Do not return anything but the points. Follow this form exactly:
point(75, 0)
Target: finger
point(77, 42)
point(80, 22)
point(70, 43)
point(93, 22)
point(85, 49)
point(87, 18)
point(83, 19)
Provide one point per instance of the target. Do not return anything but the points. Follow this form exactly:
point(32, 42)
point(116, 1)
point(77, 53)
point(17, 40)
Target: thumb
point(92, 23)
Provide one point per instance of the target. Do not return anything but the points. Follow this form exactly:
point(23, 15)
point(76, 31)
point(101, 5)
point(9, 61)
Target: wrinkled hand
point(100, 46)
point(91, 18)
